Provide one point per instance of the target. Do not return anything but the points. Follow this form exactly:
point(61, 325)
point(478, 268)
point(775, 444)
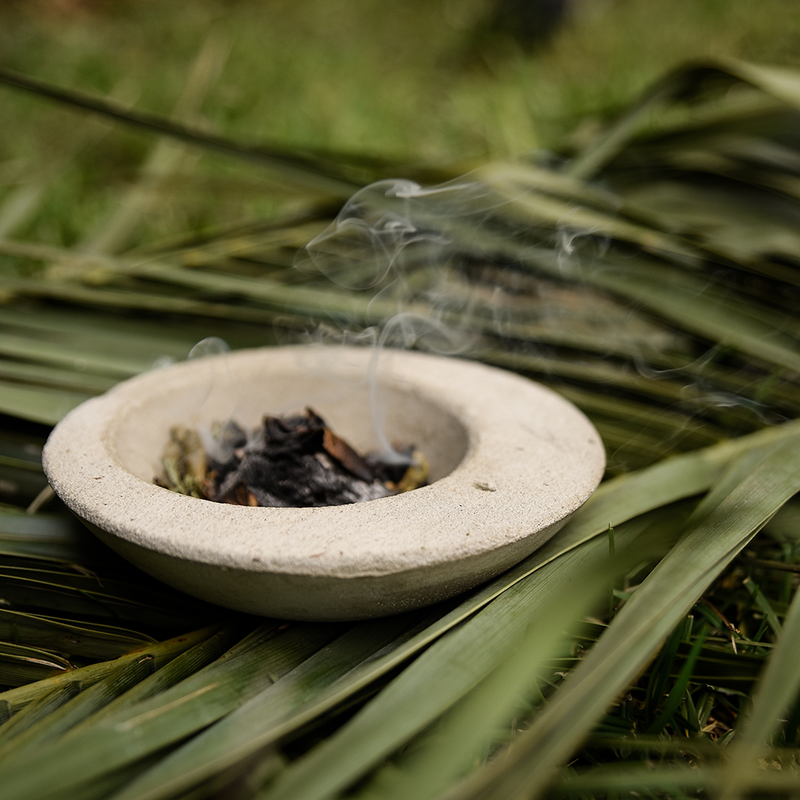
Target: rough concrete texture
point(510, 459)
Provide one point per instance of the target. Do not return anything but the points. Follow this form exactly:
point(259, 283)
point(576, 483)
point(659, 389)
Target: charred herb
point(295, 461)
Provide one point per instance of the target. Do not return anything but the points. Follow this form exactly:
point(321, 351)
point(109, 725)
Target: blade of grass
point(763, 604)
point(67, 354)
point(180, 668)
point(589, 162)
point(49, 537)
point(138, 337)
point(56, 378)
point(678, 690)
point(524, 204)
point(302, 299)
point(778, 686)
point(128, 299)
point(780, 82)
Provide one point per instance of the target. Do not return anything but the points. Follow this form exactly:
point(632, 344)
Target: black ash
point(295, 462)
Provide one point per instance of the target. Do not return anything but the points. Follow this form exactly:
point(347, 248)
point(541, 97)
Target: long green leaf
point(88, 702)
point(35, 404)
point(20, 664)
point(38, 709)
point(733, 512)
point(324, 680)
point(446, 672)
point(166, 718)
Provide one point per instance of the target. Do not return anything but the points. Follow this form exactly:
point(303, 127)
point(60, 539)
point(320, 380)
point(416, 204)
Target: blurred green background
point(416, 82)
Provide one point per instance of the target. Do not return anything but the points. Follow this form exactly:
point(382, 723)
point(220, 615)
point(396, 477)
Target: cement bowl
point(510, 461)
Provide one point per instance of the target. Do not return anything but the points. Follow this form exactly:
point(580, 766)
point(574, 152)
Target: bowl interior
point(369, 417)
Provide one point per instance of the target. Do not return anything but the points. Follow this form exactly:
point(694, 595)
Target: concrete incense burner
point(510, 461)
